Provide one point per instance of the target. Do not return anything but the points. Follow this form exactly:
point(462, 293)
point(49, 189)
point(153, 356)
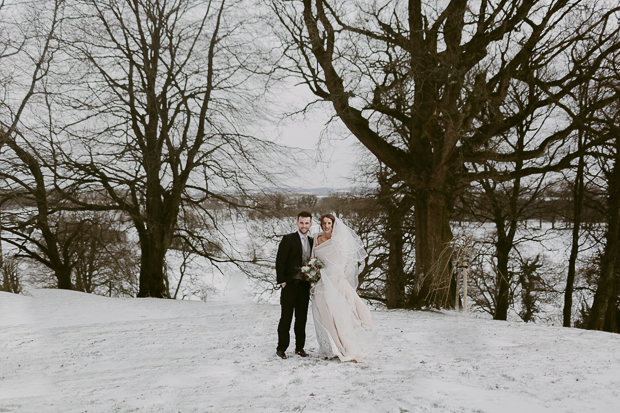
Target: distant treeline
point(553, 205)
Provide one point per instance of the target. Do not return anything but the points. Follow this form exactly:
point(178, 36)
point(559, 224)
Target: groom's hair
point(304, 214)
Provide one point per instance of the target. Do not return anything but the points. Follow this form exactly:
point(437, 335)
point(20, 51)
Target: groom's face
point(304, 224)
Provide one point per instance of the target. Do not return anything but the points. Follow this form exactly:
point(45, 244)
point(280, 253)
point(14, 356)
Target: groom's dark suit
point(295, 295)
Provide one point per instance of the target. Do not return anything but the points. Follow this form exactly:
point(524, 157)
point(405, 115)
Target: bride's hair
point(330, 216)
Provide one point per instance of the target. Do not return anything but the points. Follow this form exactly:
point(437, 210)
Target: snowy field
point(64, 351)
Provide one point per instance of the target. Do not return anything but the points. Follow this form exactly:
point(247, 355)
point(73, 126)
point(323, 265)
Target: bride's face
point(327, 225)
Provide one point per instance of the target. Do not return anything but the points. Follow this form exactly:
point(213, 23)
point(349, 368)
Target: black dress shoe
point(281, 354)
point(301, 353)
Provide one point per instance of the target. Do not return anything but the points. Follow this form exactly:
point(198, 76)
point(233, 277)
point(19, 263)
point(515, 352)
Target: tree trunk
point(574, 251)
point(153, 280)
point(155, 237)
point(395, 277)
point(6, 281)
point(503, 248)
point(90, 264)
point(433, 268)
point(79, 286)
point(506, 231)
point(605, 291)
point(63, 276)
point(161, 212)
point(611, 317)
point(506, 227)
point(396, 210)
point(604, 296)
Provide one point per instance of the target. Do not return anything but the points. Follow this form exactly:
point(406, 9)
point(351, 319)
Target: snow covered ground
point(64, 351)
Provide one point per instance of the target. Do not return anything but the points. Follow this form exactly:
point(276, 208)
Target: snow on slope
point(63, 351)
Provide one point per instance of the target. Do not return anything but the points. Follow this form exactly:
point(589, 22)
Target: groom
point(294, 249)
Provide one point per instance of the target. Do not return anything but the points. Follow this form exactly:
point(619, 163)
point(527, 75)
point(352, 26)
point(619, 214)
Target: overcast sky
point(330, 162)
point(330, 159)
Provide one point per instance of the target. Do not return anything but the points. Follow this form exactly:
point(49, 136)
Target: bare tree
point(577, 198)
point(106, 260)
point(158, 92)
point(396, 229)
point(509, 204)
point(537, 287)
point(33, 226)
point(28, 37)
point(423, 86)
point(11, 280)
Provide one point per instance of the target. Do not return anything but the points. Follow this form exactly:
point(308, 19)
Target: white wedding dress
point(340, 315)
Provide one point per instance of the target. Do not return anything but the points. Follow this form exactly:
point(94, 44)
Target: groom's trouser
point(293, 299)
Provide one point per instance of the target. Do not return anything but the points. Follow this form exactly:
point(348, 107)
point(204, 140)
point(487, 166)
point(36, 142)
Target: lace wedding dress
point(340, 315)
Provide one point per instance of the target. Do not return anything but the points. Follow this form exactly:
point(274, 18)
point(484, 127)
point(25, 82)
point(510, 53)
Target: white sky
point(330, 162)
point(330, 159)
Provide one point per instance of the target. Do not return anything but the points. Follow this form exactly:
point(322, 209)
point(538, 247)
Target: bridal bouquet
point(311, 270)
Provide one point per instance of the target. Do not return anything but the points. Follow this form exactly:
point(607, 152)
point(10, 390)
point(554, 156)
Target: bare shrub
point(10, 276)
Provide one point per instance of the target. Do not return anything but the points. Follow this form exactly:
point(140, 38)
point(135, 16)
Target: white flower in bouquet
point(311, 270)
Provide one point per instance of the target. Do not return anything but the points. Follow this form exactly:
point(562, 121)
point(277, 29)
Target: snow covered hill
point(63, 351)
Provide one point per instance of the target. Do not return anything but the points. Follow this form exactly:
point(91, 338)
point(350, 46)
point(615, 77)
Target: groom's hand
point(282, 285)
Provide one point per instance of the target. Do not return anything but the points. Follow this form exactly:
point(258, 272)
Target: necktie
point(305, 248)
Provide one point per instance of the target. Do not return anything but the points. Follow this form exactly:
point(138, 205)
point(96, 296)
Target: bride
point(339, 313)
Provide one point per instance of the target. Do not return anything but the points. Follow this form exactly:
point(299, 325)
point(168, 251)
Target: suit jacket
point(289, 257)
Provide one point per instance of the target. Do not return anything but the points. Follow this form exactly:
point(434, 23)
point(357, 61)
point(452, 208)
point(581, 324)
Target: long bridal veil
point(350, 247)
